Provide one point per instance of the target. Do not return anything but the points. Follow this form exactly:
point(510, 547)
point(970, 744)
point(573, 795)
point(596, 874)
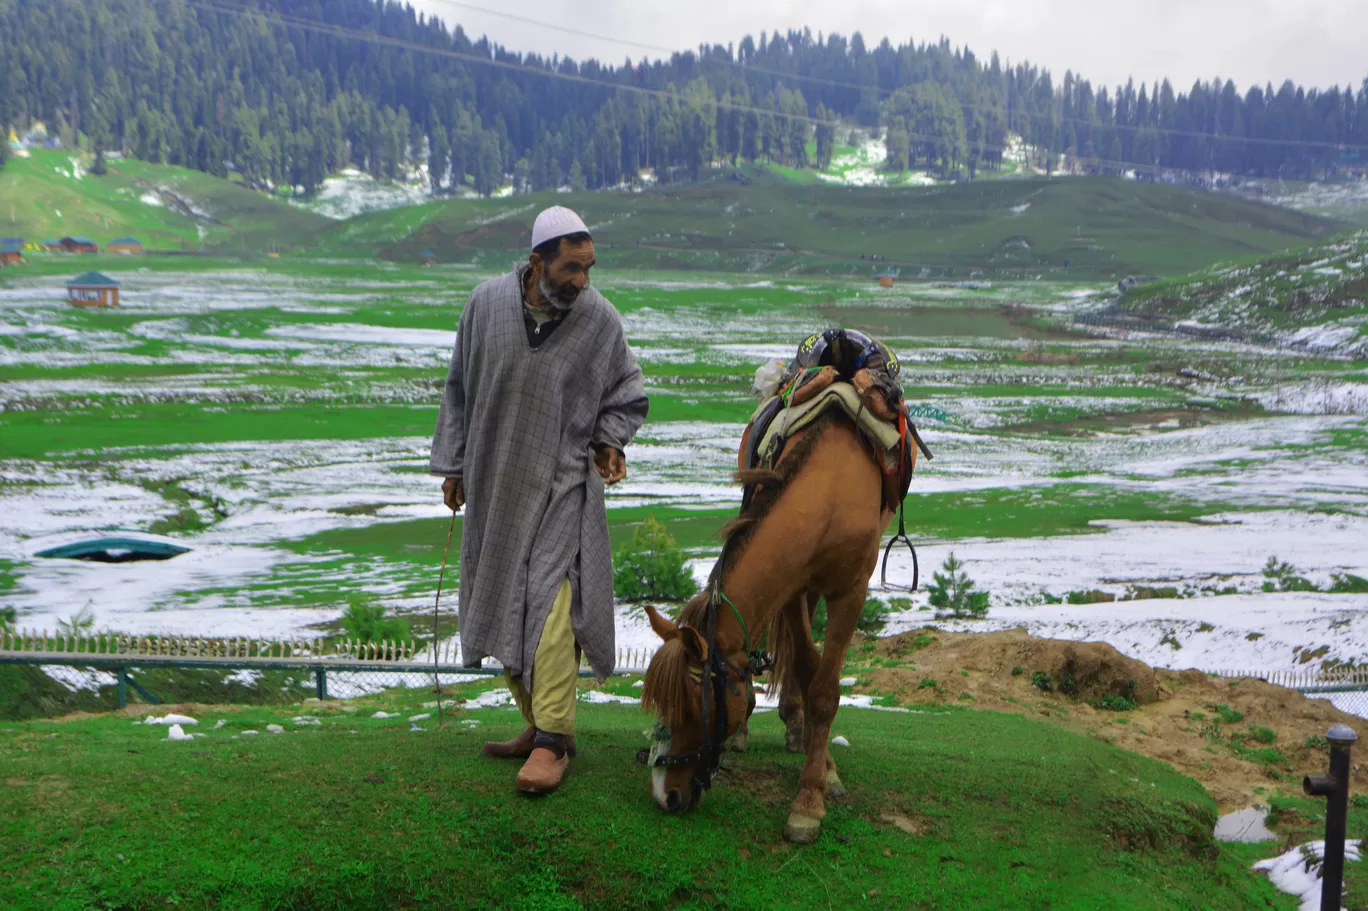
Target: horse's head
point(684, 682)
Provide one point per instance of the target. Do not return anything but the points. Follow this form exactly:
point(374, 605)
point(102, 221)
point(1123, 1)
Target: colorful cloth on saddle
point(789, 421)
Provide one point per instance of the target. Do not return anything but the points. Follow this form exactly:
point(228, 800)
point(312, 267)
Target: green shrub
point(652, 567)
point(1042, 681)
point(1018, 671)
point(927, 683)
point(1113, 703)
point(367, 622)
point(952, 590)
point(1283, 577)
point(1228, 715)
point(8, 617)
point(1090, 597)
point(1262, 734)
point(873, 615)
point(1316, 742)
point(1348, 584)
point(81, 622)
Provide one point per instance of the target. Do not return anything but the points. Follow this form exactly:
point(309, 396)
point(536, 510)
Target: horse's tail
point(792, 624)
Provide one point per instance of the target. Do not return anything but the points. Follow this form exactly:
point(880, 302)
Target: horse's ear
point(694, 643)
point(664, 627)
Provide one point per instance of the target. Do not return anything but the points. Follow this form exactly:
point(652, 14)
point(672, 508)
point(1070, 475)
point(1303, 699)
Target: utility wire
point(882, 92)
point(341, 32)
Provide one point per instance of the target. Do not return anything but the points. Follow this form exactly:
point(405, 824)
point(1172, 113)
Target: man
point(542, 398)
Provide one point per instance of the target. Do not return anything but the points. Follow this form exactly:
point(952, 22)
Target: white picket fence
point(400, 655)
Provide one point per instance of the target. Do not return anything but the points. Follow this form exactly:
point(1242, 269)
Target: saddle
point(778, 418)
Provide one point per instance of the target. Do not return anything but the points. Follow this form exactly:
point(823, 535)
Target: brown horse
point(811, 531)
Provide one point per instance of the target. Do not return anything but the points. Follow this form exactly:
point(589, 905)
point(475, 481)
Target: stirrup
point(916, 569)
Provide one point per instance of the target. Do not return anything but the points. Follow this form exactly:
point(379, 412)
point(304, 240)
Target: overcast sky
point(1313, 42)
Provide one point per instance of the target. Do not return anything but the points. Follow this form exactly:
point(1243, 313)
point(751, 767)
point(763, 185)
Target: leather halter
point(717, 677)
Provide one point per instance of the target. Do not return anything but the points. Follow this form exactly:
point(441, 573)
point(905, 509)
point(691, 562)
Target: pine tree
point(952, 590)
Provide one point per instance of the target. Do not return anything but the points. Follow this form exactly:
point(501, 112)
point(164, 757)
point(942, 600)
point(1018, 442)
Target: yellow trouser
point(550, 706)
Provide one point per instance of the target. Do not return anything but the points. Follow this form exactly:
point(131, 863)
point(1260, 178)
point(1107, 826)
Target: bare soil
point(1177, 719)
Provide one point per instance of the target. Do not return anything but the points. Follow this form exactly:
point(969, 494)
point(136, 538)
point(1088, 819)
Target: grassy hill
point(51, 193)
point(951, 809)
point(1097, 227)
point(1315, 298)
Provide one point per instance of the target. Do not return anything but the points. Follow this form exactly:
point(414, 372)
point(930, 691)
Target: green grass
point(41, 199)
point(1101, 226)
point(1008, 813)
point(40, 434)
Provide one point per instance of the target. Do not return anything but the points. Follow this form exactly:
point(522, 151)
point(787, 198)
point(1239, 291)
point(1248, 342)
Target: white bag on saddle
point(767, 379)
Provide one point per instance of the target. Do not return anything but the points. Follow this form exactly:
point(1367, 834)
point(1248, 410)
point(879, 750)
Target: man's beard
point(561, 298)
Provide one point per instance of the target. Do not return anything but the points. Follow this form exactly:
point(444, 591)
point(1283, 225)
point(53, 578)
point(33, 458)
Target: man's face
point(562, 280)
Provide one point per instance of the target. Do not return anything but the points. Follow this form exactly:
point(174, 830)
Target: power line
point(342, 32)
point(881, 92)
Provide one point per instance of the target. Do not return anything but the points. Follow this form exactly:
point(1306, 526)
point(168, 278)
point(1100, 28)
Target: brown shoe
point(542, 773)
point(520, 747)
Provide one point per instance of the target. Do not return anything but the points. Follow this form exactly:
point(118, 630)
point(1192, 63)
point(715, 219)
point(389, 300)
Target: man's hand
point(453, 493)
point(611, 464)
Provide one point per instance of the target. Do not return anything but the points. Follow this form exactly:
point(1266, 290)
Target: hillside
point(51, 193)
point(1093, 227)
point(955, 807)
point(1313, 299)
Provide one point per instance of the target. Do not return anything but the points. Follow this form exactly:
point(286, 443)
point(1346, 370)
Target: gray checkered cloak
point(518, 425)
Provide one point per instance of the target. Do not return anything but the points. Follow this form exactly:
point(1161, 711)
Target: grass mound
point(1324, 286)
point(51, 193)
point(953, 808)
point(1091, 227)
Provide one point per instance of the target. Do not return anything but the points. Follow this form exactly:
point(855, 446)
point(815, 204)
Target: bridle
point(716, 678)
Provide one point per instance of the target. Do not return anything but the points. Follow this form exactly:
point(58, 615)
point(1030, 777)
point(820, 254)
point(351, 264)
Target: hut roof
point(130, 241)
point(92, 280)
point(11, 246)
point(78, 239)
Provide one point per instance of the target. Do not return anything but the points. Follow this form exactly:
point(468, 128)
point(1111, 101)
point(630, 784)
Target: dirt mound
point(1242, 739)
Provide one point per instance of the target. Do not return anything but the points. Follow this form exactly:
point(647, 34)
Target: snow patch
point(1298, 872)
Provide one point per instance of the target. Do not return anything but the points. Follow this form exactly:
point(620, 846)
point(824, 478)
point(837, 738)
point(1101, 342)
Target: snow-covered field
point(1048, 462)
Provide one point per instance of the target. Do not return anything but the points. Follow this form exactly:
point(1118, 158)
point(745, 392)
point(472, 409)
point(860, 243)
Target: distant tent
point(124, 245)
point(426, 257)
point(115, 550)
point(11, 251)
point(886, 278)
point(78, 244)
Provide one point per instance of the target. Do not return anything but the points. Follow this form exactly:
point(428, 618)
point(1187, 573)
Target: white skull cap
point(555, 222)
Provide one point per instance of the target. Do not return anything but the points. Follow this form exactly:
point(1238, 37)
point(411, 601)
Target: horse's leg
point(798, 669)
point(823, 697)
point(742, 736)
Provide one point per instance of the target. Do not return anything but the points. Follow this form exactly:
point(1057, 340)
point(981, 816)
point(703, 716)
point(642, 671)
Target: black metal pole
point(1335, 789)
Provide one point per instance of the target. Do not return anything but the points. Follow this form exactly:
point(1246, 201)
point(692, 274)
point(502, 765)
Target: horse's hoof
point(834, 788)
point(738, 745)
point(802, 829)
